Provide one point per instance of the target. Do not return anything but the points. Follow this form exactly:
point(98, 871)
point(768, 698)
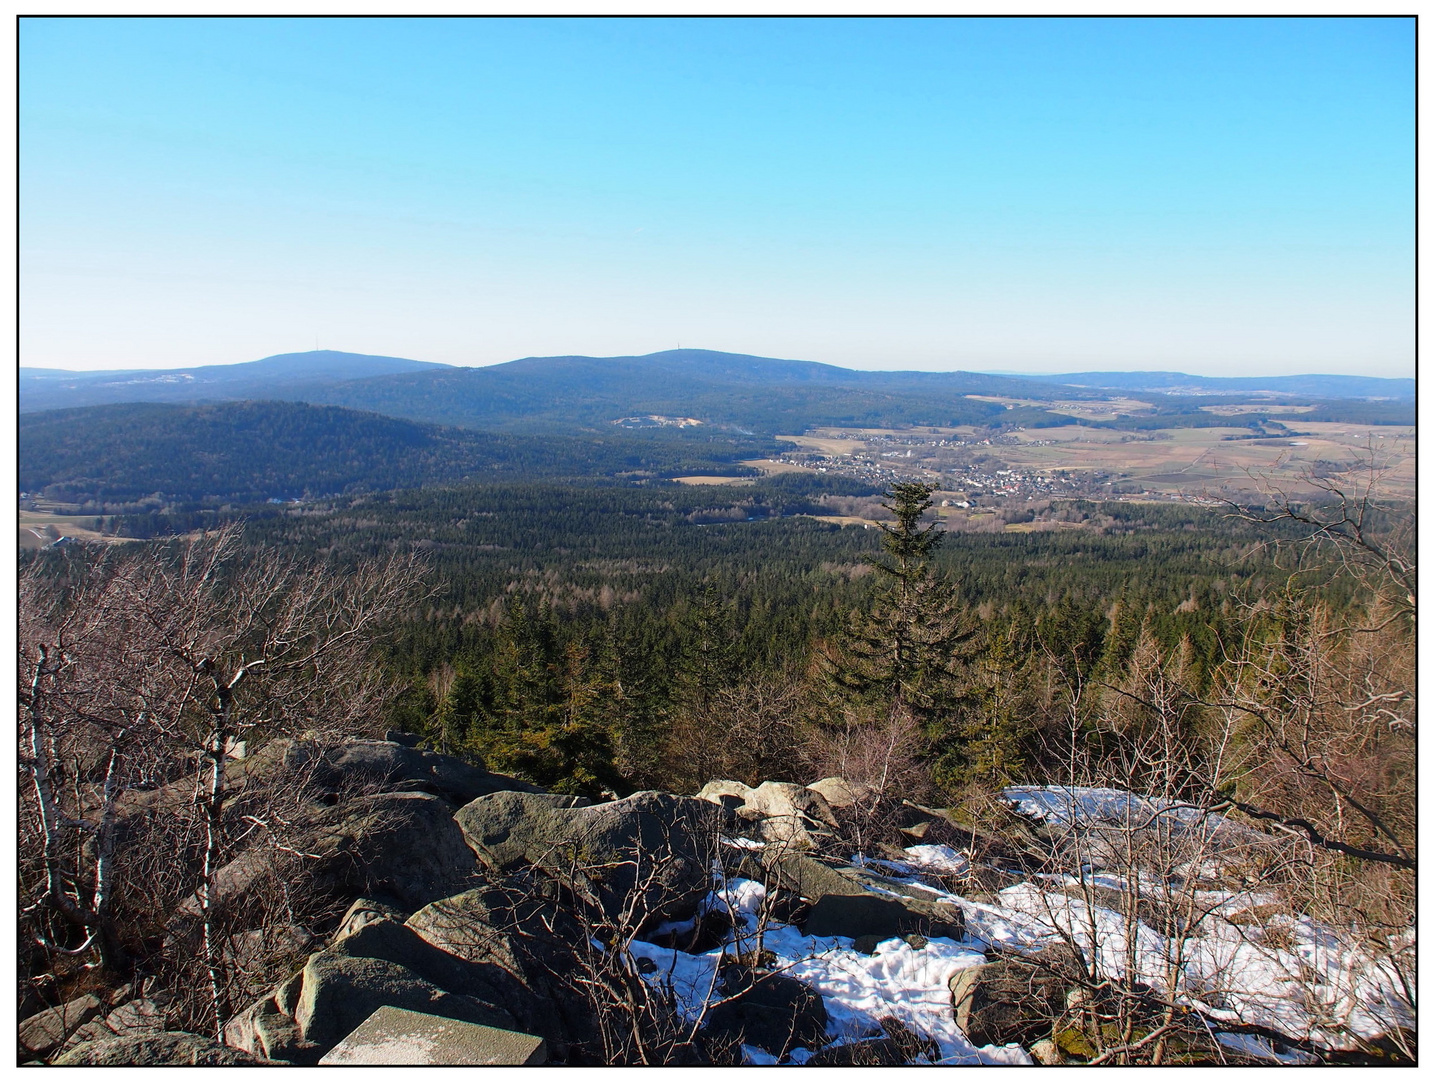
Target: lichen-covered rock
point(404, 844)
point(791, 815)
point(1015, 999)
point(841, 793)
point(363, 912)
point(882, 917)
point(266, 1031)
point(808, 877)
point(340, 992)
point(795, 817)
point(510, 828)
point(140, 1016)
point(769, 1011)
point(164, 1048)
point(391, 766)
point(401, 844)
point(847, 902)
point(45, 1032)
point(525, 948)
point(729, 793)
point(644, 857)
point(1046, 1052)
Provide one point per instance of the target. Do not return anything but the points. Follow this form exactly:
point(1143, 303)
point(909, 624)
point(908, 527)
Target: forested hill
point(720, 389)
point(296, 374)
point(258, 450)
point(560, 393)
point(731, 391)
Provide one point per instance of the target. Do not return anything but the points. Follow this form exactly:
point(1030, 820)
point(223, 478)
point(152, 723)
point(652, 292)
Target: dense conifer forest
point(573, 626)
point(107, 458)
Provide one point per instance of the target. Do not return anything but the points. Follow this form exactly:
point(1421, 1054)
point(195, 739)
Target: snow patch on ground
point(1267, 967)
point(1253, 1046)
point(1091, 807)
point(912, 985)
point(938, 859)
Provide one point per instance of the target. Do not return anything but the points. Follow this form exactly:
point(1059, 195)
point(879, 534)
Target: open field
point(1215, 462)
point(1008, 402)
point(842, 519)
point(1195, 459)
point(1243, 410)
point(1085, 410)
point(720, 481)
point(1044, 526)
point(835, 440)
point(1100, 410)
point(827, 444)
point(38, 530)
point(776, 468)
point(766, 466)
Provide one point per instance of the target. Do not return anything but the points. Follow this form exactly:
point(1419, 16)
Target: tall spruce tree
point(908, 650)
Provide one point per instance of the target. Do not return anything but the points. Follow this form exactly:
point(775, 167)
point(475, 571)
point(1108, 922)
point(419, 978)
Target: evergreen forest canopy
point(578, 628)
point(107, 456)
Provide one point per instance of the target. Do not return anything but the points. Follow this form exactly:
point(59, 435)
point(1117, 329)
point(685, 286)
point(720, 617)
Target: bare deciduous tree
point(1350, 524)
point(743, 732)
point(148, 669)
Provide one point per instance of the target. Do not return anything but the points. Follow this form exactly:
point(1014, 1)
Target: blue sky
point(1214, 196)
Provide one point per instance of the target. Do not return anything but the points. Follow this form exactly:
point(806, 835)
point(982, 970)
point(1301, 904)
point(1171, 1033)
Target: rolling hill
point(294, 373)
point(725, 391)
point(247, 452)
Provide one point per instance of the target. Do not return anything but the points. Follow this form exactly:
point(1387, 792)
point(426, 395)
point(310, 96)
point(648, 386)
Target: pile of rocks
point(477, 899)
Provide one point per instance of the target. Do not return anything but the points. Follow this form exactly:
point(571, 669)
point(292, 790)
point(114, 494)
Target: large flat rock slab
point(393, 1036)
point(45, 1032)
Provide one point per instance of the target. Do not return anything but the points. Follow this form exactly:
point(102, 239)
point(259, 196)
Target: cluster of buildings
point(957, 465)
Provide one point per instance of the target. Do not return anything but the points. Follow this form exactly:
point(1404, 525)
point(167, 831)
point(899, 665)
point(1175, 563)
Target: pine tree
point(907, 651)
point(709, 654)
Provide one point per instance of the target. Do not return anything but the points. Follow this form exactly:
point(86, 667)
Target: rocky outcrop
point(1014, 999)
point(768, 1011)
point(499, 955)
point(404, 844)
point(847, 902)
point(729, 793)
point(526, 948)
point(644, 857)
point(511, 829)
point(45, 1032)
point(394, 1036)
point(364, 912)
point(841, 793)
point(380, 962)
point(473, 899)
point(340, 991)
point(796, 817)
point(391, 766)
point(165, 1048)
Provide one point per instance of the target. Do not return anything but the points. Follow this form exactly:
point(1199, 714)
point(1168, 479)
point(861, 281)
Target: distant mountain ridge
point(739, 392)
point(53, 388)
point(559, 392)
point(728, 389)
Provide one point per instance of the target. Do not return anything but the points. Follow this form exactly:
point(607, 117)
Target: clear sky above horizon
point(1222, 197)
